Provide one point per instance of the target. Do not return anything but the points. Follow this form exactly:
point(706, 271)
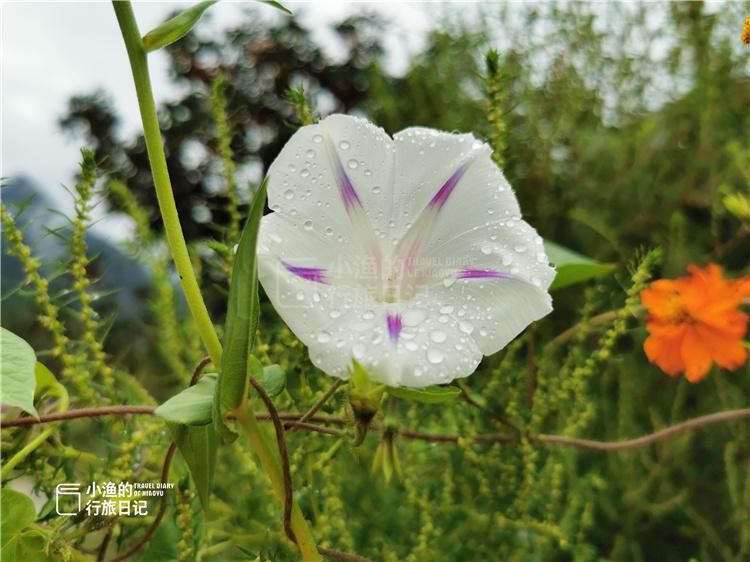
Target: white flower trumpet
point(407, 254)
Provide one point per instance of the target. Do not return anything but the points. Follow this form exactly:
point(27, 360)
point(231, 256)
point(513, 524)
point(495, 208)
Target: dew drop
point(520, 249)
point(377, 189)
point(368, 172)
point(448, 282)
point(411, 346)
point(300, 296)
point(292, 168)
point(289, 194)
point(317, 138)
point(438, 336)
point(305, 173)
point(344, 145)
point(368, 315)
point(447, 309)
point(359, 350)
point(310, 153)
point(335, 313)
point(353, 164)
point(324, 337)
point(466, 327)
point(329, 231)
point(413, 317)
point(435, 356)
point(486, 249)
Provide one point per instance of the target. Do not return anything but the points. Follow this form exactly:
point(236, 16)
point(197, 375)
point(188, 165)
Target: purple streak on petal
point(394, 326)
point(482, 274)
point(315, 274)
point(348, 193)
point(441, 197)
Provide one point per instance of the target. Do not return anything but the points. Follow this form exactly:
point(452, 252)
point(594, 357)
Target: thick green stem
point(271, 465)
point(158, 162)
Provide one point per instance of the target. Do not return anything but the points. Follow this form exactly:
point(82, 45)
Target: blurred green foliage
point(626, 127)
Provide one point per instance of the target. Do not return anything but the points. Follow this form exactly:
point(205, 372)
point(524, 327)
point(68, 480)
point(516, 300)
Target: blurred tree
point(261, 63)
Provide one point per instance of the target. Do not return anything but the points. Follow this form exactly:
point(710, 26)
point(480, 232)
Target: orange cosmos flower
point(694, 321)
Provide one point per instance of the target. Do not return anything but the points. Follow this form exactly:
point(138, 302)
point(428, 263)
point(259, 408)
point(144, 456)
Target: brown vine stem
point(286, 470)
point(283, 454)
point(642, 441)
point(159, 515)
point(318, 405)
point(164, 479)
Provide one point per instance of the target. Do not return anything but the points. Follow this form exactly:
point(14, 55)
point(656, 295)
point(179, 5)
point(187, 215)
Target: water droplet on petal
point(317, 138)
point(486, 249)
point(305, 173)
point(447, 309)
point(377, 189)
point(449, 281)
point(438, 336)
point(324, 337)
point(368, 315)
point(520, 249)
point(411, 346)
point(466, 327)
point(344, 145)
point(359, 350)
point(310, 153)
point(353, 164)
point(289, 194)
point(308, 224)
point(335, 313)
point(300, 296)
point(435, 356)
point(413, 317)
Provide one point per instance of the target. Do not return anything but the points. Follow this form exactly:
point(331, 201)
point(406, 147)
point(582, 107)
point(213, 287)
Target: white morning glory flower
point(407, 254)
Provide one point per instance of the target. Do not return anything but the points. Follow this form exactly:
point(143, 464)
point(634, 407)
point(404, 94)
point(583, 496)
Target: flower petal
point(491, 310)
point(695, 355)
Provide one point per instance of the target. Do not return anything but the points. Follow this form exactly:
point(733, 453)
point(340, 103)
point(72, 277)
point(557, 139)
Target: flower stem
point(162, 184)
point(271, 465)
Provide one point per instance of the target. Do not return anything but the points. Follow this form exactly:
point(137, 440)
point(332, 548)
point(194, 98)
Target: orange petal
point(664, 350)
point(695, 355)
point(729, 353)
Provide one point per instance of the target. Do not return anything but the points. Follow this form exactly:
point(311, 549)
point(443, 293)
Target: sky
point(53, 50)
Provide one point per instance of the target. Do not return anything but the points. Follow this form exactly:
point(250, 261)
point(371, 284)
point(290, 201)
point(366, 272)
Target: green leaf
point(242, 320)
point(46, 383)
point(278, 6)
point(176, 27)
point(17, 366)
point(572, 267)
point(19, 541)
point(18, 513)
point(274, 380)
point(193, 405)
point(426, 395)
point(198, 445)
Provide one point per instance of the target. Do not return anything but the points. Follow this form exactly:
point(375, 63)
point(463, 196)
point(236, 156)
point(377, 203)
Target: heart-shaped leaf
point(17, 372)
point(274, 380)
point(572, 267)
point(193, 405)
